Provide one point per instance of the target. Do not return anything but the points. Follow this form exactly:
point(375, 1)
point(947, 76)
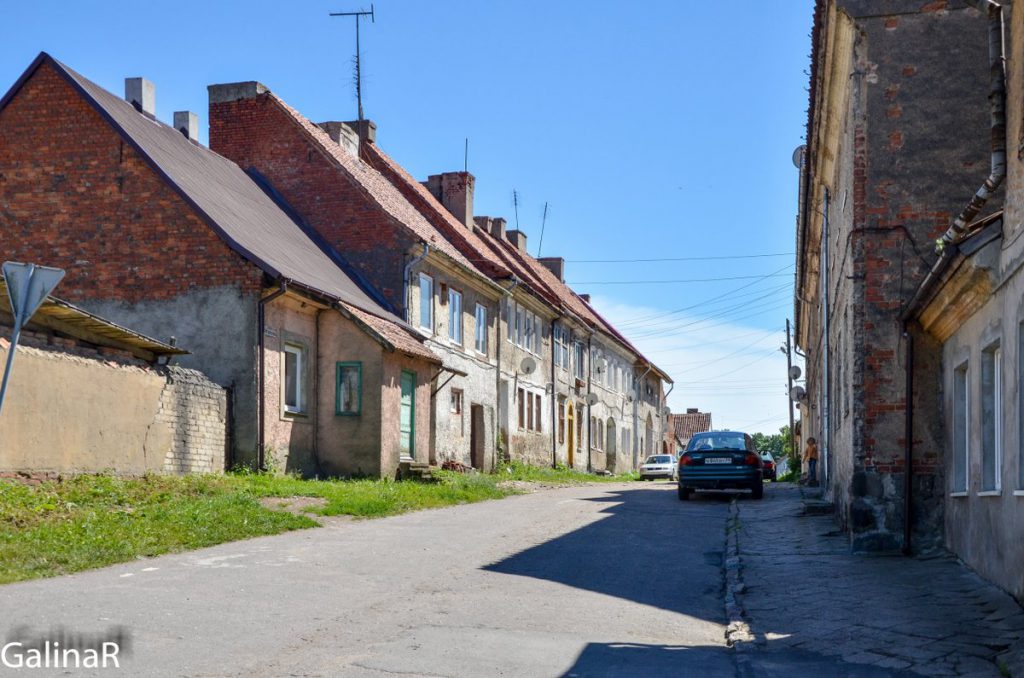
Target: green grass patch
point(78, 523)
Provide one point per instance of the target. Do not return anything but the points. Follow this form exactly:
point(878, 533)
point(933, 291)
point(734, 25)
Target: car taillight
point(751, 459)
point(686, 460)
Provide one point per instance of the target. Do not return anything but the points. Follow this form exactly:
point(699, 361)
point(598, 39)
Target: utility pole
point(359, 78)
point(789, 399)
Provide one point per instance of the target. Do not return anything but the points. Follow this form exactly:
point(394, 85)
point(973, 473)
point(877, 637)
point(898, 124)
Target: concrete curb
point(737, 631)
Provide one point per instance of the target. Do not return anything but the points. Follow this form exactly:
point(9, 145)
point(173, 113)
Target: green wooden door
point(407, 421)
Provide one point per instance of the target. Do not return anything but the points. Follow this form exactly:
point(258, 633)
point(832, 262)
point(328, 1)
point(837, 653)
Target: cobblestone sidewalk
point(802, 590)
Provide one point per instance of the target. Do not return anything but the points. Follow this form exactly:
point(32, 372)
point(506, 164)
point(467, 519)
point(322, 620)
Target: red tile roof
point(685, 425)
point(398, 337)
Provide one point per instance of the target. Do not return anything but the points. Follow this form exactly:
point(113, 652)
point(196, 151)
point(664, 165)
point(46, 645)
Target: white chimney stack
point(141, 94)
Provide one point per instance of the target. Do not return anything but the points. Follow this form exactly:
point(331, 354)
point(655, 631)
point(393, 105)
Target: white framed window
point(524, 328)
point(293, 384)
point(481, 329)
point(561, 339)
point(426, 302)
point(961, 429)
point(578, 363)
point(991, 428)
point(455, 316)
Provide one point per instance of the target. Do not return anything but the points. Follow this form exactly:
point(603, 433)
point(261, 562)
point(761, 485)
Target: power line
point(671, 282)
point(672, 325)
point(645, 261)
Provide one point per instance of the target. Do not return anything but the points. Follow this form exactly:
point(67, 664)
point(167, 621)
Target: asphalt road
point(599, 580)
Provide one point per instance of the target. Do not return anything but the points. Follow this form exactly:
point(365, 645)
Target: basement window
point(961, 429)
point(293, 384)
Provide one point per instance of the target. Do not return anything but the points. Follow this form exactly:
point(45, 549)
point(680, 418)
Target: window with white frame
point(426, 302)
point(455, 316)
point(481, 329)
point(991, 429)
point(525, 328)
point(456, 407)
point(561, 347)
point(578, 362)
point(1020, 407)
point(961, 428)
point(293, 384)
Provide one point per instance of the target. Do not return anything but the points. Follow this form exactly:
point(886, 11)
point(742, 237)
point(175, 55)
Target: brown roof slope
point(687, 424)
point(393, 335)
point(228, 199)
point(377, 187)
point(464, 238)
point(230, 202)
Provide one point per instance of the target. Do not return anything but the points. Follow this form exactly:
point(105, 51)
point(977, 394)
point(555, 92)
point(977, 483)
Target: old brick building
point(159, 233)
point(897, 141)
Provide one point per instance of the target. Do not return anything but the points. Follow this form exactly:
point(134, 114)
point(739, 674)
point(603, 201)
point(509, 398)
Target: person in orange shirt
point(811, 457)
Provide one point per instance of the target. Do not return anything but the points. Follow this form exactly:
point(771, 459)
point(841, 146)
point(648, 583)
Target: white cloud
point(731, 369)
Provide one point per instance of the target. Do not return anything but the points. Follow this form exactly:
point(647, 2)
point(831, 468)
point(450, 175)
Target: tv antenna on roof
point(359, 79)
point(515, 203)
point(543, 223)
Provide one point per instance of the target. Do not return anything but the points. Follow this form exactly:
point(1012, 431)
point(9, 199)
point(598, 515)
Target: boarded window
point(991, 429)
point(522, 408)
point(961, 428)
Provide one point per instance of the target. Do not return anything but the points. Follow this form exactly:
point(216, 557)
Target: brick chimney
point(455, 191)
point(692, 410)
point(141, 94)
point(493, 225)
point(343, 135)
point(366, 130)
point(187, 123)
point(585, 297)
point(518, 239)
point(556, 265)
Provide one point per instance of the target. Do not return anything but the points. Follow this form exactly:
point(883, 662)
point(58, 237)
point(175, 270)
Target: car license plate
point(718, 460)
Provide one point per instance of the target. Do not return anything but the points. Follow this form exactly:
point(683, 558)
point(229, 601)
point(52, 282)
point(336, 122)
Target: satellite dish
point(794, 372)
point(798, 155)
point(592, 399)
point(528, 365)
point(797, 394)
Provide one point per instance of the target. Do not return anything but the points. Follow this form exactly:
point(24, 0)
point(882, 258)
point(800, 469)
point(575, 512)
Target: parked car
point(658, 466)
point(769, 466)
point(720, 460)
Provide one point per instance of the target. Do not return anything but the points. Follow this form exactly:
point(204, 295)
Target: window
point(991, 428)
point(481, 329)
point(524, 328)
point(600, 434)
point(593, 429)
point(529, 411)
point(455, 316)
point(561, 421)
point(1020, 407)
point(426, 302)
point(578, 366)
point(961, 428)
point(561, 347)
point(456, 401)
point(625, 441)
point(538, 404)
point(294, 363)
point(348, 388)
point(522, 408)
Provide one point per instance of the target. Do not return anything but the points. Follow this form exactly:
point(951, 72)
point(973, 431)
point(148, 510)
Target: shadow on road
point(650, 548)
point(630, 659)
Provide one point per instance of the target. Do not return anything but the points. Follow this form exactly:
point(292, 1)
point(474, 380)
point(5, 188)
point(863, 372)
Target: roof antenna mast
point(515, 203)
point(543, 222)
point(359, 79)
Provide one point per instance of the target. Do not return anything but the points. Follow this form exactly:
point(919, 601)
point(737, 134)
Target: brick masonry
point(195, 409)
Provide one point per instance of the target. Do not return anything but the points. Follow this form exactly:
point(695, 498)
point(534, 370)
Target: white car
point(658, 466)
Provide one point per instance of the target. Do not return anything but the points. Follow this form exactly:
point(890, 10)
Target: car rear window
point(717, 441)
point(661, 459)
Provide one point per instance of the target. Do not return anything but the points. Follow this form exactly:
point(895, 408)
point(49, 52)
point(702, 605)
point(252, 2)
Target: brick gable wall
point(257, 133)
point(74, 194)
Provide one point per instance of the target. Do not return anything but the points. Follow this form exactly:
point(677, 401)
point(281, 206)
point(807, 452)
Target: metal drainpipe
point(407, 281)
point(554, 402)
point(909, 438)
point(260, 408)
point(826, 395)
point(590, 414)
point(997, 103)
point(316, 395)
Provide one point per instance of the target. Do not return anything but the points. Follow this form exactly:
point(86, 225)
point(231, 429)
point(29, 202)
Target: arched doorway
point(571, 418)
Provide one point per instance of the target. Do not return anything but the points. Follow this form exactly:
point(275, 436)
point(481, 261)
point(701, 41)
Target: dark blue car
point(720, 460)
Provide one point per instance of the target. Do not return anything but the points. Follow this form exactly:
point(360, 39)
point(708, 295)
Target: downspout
point(591, 429)
point(261, 464)
point(554, 401)
point(946, 245)
point(407, 279)
point(997, 104)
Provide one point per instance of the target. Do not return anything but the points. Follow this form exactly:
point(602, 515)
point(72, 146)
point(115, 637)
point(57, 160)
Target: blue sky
point(655, 130)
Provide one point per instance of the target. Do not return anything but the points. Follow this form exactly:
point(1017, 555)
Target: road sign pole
point(10, 361)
